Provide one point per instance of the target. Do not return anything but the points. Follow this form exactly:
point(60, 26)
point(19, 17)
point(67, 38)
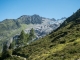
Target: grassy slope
point(61, 44)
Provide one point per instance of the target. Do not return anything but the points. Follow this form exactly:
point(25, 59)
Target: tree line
point(22, 39)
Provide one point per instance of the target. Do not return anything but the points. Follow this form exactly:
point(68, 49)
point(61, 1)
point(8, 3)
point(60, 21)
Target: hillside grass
point(61, 44)
point(54, 52)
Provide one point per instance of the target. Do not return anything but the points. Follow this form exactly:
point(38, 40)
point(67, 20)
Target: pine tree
point(23, 38)
point(32, 34)
point(22, 35)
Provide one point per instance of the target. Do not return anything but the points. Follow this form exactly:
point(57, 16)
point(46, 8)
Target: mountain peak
point(53, 19)
point(23, 16)
point(34, 19)
point(35, 15)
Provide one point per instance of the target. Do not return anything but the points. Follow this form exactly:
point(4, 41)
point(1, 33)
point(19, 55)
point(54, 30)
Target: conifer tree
point(32, 34)
point(22, 35)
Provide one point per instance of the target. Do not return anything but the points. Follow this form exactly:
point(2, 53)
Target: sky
point(13, 9)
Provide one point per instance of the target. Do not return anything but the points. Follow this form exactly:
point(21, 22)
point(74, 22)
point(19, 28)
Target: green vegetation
point(10, 33)
point(11, 27)
point(31, 35)
point(7, 52)
point(61, 44)
point(15, 58)
point(23, 38)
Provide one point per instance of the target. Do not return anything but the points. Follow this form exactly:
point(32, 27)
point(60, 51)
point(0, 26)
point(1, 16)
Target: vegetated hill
point(61, 44)
point(7, 27)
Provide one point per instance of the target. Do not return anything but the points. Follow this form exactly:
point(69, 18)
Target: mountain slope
point(11, 27)
point(61, 44)
point(7, 29)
